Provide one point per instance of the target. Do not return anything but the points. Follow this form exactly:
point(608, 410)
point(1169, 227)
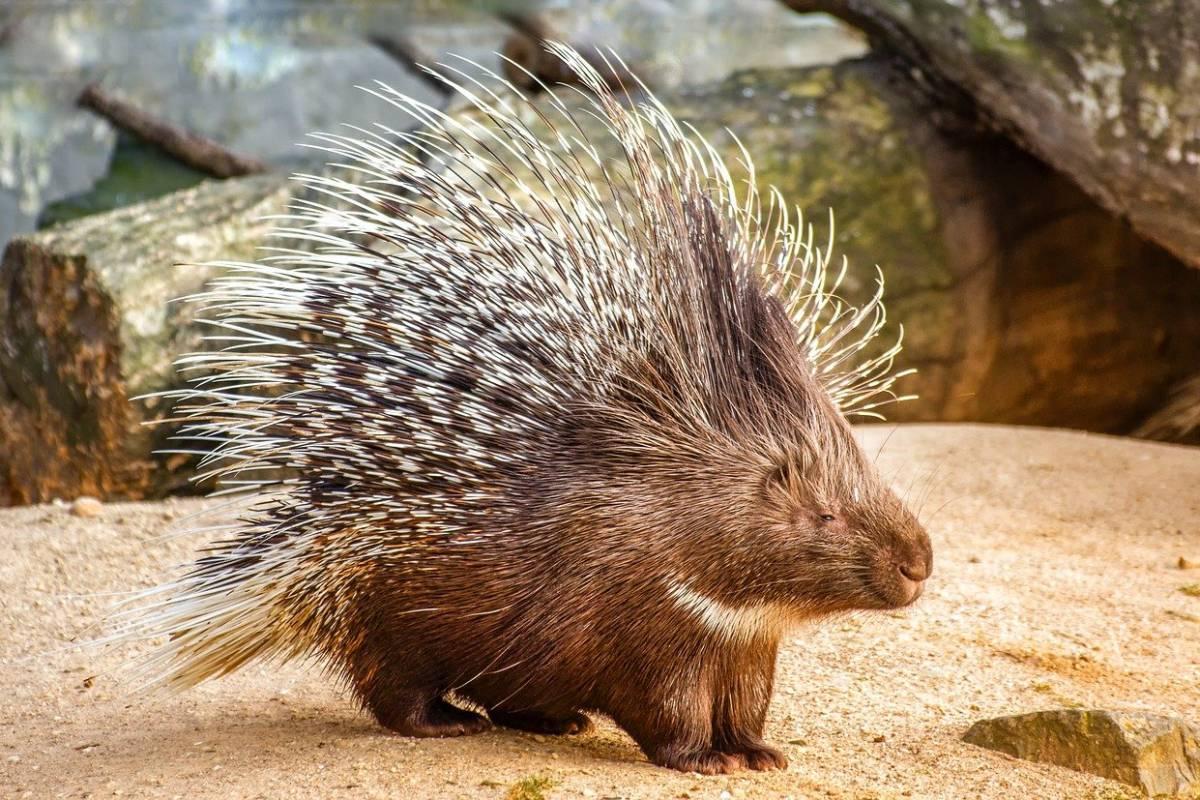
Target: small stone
point(86, 507)
point(1187, 563)
point(1159, 755)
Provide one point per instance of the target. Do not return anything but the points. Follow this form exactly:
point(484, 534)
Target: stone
point(87, 328)
point(257, 78)
point(695, 42)
point(1159, 755)
point(1178, 417)
point(1105, 92)
point(48, 151)
point(1013, 286)
point(87, 507)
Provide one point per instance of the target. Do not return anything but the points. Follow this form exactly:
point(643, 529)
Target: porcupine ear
point(787, 471)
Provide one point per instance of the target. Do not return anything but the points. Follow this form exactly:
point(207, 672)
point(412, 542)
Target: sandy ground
point(1056, 583)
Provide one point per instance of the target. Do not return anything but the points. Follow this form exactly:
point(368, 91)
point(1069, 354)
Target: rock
point(87, 507)
point(1013, 286)
point(1009, 281)
point(262, 97)
point(1159, 755)
point(87, 326)
point(1104, 92)
point(257, 81)
point(442, 33)
point(49, 151)
point(675, 43)
point(1187, 563)
point(1178, 418)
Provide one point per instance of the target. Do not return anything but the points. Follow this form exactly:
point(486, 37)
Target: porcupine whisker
point(931, 474)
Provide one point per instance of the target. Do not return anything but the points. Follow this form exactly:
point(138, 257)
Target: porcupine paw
point(706, 762)
point(438, 719)
point(759, 755)
point(569, 725)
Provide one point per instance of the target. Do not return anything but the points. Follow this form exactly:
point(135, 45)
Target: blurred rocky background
point(1027, 175)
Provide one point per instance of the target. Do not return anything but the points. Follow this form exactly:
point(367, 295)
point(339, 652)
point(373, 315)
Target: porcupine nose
point(915, 572)
point(914, 568)
point(912, 581)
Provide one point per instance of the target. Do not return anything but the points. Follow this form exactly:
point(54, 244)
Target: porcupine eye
point(828, 517)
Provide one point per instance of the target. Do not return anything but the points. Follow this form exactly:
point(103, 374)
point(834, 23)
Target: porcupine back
point(470, 292)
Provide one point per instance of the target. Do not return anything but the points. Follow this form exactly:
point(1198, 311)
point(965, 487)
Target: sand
point(1056, 583)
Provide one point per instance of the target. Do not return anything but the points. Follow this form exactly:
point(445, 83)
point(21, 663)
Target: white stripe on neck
point(727, 621)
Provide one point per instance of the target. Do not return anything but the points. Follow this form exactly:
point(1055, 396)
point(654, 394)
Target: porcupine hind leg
point(741, 698)
point(569, 724)
point(405, 698)
point(419, 714)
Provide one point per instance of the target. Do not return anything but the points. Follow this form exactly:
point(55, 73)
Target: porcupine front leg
point(740, 708)
point(680, 738)
point(673, 724)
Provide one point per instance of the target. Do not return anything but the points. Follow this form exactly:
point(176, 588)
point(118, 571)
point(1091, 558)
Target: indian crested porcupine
point(561, 433)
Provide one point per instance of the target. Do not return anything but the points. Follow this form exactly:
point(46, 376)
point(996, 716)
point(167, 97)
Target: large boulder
point(674, 43)
point(87, 326)
point(49, 150)
point(1106, 92)
point(1022, 299)
point(257, 83)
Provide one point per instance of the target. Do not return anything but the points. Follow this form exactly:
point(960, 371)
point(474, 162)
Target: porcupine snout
point(902, 566)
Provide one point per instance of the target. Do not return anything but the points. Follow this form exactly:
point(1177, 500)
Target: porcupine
point(555, 444)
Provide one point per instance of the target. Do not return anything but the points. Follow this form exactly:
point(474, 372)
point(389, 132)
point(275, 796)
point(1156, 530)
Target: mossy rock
point(1103, 91)
point(1159, 755)
point(1013, 287)
point(89, 326)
